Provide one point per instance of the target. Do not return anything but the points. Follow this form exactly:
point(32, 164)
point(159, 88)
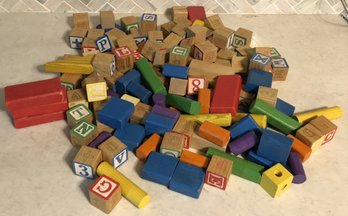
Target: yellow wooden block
point(129, 189)
point(276, 180)
point(96, 89)
point(330, 113)
point(62, 66)
point(221, 119)
point(260, 119)
point(198, 22)
point(131, 99)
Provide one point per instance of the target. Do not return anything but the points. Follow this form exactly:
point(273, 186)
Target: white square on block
point(279, 63)
point(104, 187)
point(76, 42)
point(193, 84)
point(149, 17)
point(120, 158)
point(83, 170)
point(104, 44)
point(84, 129)
point(79, 112)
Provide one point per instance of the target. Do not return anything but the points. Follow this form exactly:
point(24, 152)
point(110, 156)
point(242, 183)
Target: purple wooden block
point(159, 99)
point(99, 139)
point(164, 111)
point(243, 143)
point(112, 93)
point(296, 168)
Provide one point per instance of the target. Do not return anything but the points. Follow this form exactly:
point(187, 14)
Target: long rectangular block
point(194, 159)
point(150, 145)
point(214, 133)
point(139, 91)
point(226, 94)
point(38, 119)
point(204, 97)
point(253, 157)
point(330, 113)
point(284, 107)
point(170, 113)
point(243, 126)
point(184, 104)
point(177, 71)
point(220, 119)
point(155, 123)
point(302, 149)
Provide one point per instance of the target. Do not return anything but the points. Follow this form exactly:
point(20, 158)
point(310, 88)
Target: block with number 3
point(105, 193)
point(218, 172)
point(86, 161)
point(195, 83)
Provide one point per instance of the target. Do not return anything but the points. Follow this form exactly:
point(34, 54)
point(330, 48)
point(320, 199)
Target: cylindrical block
point(329, 112)
point(100, 138)
point(243, 143)
point(296, 168)
point(130, 191)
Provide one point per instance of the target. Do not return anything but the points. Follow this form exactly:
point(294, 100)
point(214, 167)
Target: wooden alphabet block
point(178, 55)
point(77, 114)
point(160, 57)
point(76, 37)
point(263, 50)
point(274, 53)
point(260, 61)
point(179, 13)
point(311, 136)
point(197, 31)
point(185, 127)
point(325, 126)
point(83, 133)
point(242, 37)
point(205, 51)
point(302, 149)
point(77, 96)
point(223, 62)
point(280, 69)
point(166, 28)
point(172, 144)
point(240, 64)
point(149, 49)
point(268, 95)
point(70, 81)
point(86, 161)
point(276, 180)
point(95, 88)
point(155, 35)
point(104, 43)
point(214, 133)
point(127, 41)
point(214, 22)
point(107, 19)
point(105, 194)
point(95, 33)
point(80, 20)
point(222, 37)
point(89, 46)
point(124, 59)
point(115, 33)
point(204, 96)
point(245, 51)
point(177, 86)
point(172, 40)
point(104, 64)
point(194, 84)
point(179, 29)
point(218, 172)
point(131, 99)
point(148, 22)
point(129, 22)
point(114, 151)
point(226, 54)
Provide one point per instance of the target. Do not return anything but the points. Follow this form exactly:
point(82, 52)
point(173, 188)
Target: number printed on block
point(215, 180)
point(149, 17)
point(120, 158)
point(83, 170)
point(104, 44)
point(179, 51)
point(104, 187)
point(193, 84)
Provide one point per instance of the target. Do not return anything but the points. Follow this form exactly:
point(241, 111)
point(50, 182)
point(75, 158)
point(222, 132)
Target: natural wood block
point(150, 145)
point(194, 84)
point(218, 172)
point(172, 144)
point(160, 57)
point(214, 133)
point(194, 159)
point(325, 126)
point(263, 50)
point(127, 41)
point(245, 51)
point(148, 22)
point(135, 33)
point(188, 43)
point(240, 64)
point(129, 22)
point(179, 29)
point(177, 86)
point(96, 88)
point(223, 62)
point(140, 112)
point(260, 61)
point(197, 31)
point(185, 127)
point(311, 136)
point(214, 22)
point(178, 55)
point(89, 47)
point(86, 161)
point(242, 37)
point(124, 59)
point(204, 97)
point(95, 33)
point(172, 40)
point(149, 49)
point(105, 194)
point(83, 133)
point(77, 96)
point(222, 37)
point(226, 54)
point(103, 127)
point(80, 20)
point(70, 81)
point(104, 64)
point(76, 37)
point(77, 114)
point(179, 13)
point(115, 33)
point(107, 19)
point(166, 28)
point(131, 99)
point(268, 95)
point(280, 69)
point(155, 35)
point(205, 51)
point(114, 151)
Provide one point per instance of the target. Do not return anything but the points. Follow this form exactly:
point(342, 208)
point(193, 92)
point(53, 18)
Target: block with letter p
point(83, 133)
point(104, 44)
point(114, 151)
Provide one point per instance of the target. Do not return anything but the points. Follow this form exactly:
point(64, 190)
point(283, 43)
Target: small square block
point(104, 44)
point(86, 161)
point(218, 172)
point(172, 144)
point(177, 86)
point(280, 69)
point(83, 133)
point(258, 78)
point(77, 114)
point(196, 12)
point(195, 83)
point(96, 91)
point(114, 151)
point(325, 126)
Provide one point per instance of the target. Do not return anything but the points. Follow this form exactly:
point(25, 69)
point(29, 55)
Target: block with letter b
point(178, 55)
point(114, 151)
point(83, 133)
point(242, 37)
point(218, 172)
point(105, 193)
point(104, 44)
point(86, 161)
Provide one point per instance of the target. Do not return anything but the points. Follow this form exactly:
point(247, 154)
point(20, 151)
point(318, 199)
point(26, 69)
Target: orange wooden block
point(204, 96)
point(302, 149)
point(148, 146)
point(194, 159)
point(214, 133)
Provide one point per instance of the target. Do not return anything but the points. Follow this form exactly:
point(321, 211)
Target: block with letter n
point(83, 133)
point(178, 55)
point(242, 37)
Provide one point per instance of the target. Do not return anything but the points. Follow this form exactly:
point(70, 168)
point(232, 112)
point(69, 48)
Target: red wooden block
point(38, 119)
point(42, 109)
point(33, 94)
point(226, 94)
point(196, 12)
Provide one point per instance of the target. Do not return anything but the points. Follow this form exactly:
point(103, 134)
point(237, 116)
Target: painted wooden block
point(325, 126)
point(96, 88)
point(86, 161)
point(148, 146)
point(140, 112)
point(179, 13)
point(164, 111)
point(276, 180)
point(302, 149)
point(139, 91)
point(76, 97)
point(38, 119)
point(280, 69)
point(178, 55)
point(214, 133)
point(148, 22)
point(104, 44)
point(80, 20)
point(204, 97)
point(242, 37)
point(129, 22)
point(107, 19)
point(76, 37)
point(197, 31)
point(311, 136)
point(166, 28)
point(296, 168)
point(105, 194)
point(155, 123)
point(83, 133)
point(194, 159)
point(71, 64)
point(222, 37)
point(258, 78)
point(194, 84)
point(226, 103)
point(131, 99)
point(200, 144)
point(77, 114)
point(104, 64)
point(183, 104)
point(159, 99)
point(196, 12)
point(285, 107)
point(116, 113)
point(198, 22)
point(149, 49)
point(159, 168)
point(177, 86)
point(205, 51)
point(122, 83)
point(260, 119)
point(214, 22)
point(155, 35)
point(170, 70)
point(260, 61)
point(188, 180)
point(104, 135)
point(220, 119)
point(172, 144)
point(330, 113)
point(218, 172)
point(243, 143)
point(253, 157)
point(267, 95)
point(243, 126)
point(114, 151)
point(131, 135)
point(70, 81)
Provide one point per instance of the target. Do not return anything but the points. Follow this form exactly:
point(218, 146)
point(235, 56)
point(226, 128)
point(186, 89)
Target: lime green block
point(242, 168)
point(184, 104)
point(150, 76)
point(275, 118)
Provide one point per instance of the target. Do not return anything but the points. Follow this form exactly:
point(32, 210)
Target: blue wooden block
point(104, 44)
point(122, 82)
point(120, 27)
point(136, 89)
point(131, 135)
point(116, 113)
point(155, 123)
point(159, 168)
point(171, 70)
point(274, 146)
point(285, 107)
point(258, 78)
point(188, 180)
point(243, 126)
point(253, 157)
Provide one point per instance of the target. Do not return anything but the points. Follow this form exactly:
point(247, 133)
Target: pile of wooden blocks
point(194, 101)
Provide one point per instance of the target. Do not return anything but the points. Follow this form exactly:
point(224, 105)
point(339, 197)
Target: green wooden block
point(275, 118)
point(77, 114)
point(83, 133)
point(184, 104)
point(150, 76)
point(242, 168)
